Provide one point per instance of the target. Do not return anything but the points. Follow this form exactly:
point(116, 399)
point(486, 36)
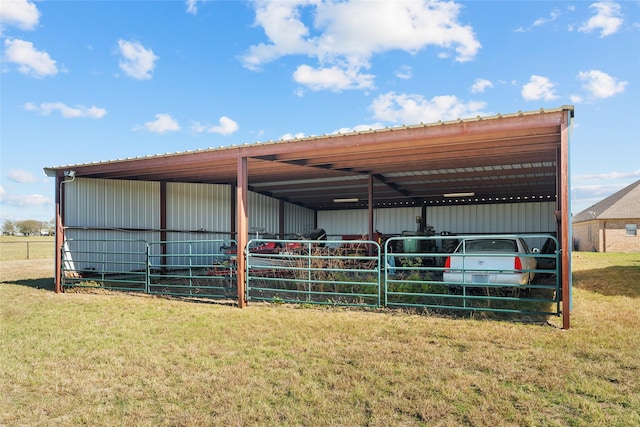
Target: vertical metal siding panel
point(297, 219)
point(112, 206)
point(396, 220)
point(198, 207)
point(337, 223)
point(203, 209)
point(263, 213)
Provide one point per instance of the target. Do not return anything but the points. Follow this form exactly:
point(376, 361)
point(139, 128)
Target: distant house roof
point(623, 204)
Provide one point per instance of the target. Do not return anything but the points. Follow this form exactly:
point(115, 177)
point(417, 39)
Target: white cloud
point(22, 176)
point(137, 62)
point(405, 72)
point(192, 6)
point(479, 85)
point(600, 84)
point(288, 136)
point(606, 176)
point(576, 99)
point(79, 111)
point(345, 35)
point(589, 189)
point(21, 13)
point(608, 19)
point(539, 88)
point(360, 128)
point(226, 126)
point(23, 200)
point(333, 78)
point(163, 123)
point(413, 109)
point(552, 17)
point(29, 60)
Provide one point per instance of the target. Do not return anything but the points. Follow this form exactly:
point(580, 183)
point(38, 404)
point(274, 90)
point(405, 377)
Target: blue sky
point(85, 81)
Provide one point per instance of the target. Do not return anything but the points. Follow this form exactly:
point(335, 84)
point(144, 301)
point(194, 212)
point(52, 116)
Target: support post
point(59, 230)
point(281, 219)
point(565, 221)
point(242, 222)
point(370, 204)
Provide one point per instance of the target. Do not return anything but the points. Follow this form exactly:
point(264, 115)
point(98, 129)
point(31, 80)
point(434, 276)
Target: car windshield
point(489, 245)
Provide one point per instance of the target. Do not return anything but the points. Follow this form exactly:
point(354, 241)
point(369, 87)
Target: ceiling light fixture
point(459, 194)
point(352, 200)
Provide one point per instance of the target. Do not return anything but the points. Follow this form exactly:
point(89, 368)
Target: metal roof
point(501, 158)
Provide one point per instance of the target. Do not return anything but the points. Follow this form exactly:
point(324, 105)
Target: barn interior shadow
point(610, 281)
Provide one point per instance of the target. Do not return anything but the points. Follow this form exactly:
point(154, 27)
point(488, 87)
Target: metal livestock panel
point(297, 219)
point(105, 251)
point(102, 203)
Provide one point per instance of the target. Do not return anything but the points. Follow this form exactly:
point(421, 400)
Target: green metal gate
point(192, 268)
point(118, 264)
point(416, 278)
point(408, 273)
point(345, 273)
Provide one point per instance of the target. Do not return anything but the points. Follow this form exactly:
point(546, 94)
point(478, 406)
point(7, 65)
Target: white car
point(488, 260)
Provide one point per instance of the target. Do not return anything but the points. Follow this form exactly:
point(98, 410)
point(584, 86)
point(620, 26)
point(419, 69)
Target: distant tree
point(29, 227)
point(9, 227)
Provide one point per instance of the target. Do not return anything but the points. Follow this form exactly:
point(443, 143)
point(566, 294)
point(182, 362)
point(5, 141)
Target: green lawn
point(103, 359)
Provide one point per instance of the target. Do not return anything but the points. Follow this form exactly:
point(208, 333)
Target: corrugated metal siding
point(534, 217)
point(386, 221)
point(396, 220)
point(263, 213)
point(297, 219)
point(199, 208)
point(337, 223)
point(200, 212)
point(112, 203)
point(506, 218)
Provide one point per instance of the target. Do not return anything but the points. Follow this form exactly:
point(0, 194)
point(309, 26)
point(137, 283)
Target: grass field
point(106, 359)
point(32, 247)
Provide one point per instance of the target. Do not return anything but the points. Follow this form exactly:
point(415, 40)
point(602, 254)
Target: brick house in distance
point(610, 225)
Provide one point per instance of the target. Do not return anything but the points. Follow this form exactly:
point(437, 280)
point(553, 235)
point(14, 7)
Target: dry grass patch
point(116, 359)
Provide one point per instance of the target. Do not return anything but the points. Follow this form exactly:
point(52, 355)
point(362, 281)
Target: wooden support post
point(242, 224)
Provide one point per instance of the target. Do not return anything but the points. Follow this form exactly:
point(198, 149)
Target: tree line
point(29, 227)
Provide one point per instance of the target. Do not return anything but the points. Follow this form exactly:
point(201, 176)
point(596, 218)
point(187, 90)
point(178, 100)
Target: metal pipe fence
point(405, 272)
point(345, 273)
